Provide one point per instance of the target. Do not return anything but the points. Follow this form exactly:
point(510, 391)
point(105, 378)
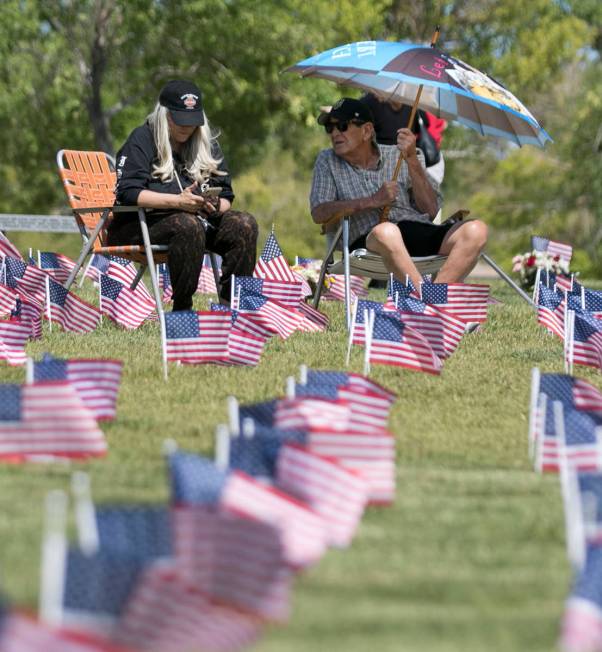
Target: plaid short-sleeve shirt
point(334, 180)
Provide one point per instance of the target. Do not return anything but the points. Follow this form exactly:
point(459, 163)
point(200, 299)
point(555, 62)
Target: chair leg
point(346, 272)
point(214, 267)
point(324, 268)
point(138, 277)
point(508, 280)
point(86, 250)
point(150, 261)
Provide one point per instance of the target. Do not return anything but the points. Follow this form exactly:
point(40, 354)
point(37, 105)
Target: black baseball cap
point(184, 101)
point(347, 109)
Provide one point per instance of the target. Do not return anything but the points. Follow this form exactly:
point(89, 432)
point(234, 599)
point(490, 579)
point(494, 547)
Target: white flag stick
point(397, 299)
point(232, 290)
point(85, 514)
point(83, 271)
point(163, 343)
point(39, 258)
point(100, 303)
point(535, 382)
point(248, 428)
point(48, 309)
point(29, 371)
point(303, 374)
point(536, 285)
point(290, 387)
point(53, 562)
point(369, 325)
point(233, 416)
point(583, 297)
point(222, 447)
point(169, 447)
point(542, 405)
point(351, 331)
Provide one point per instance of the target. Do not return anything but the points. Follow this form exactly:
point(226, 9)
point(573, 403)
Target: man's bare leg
point(462, 245)
point(385, 239)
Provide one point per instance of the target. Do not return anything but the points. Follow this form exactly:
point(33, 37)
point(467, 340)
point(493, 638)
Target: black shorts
point(420, 238)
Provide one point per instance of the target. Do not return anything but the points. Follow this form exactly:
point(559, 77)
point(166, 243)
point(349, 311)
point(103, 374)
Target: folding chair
point(89, 180)
point(362, 262)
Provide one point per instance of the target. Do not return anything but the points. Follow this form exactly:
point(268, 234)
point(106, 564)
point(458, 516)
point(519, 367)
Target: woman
point(166, 166)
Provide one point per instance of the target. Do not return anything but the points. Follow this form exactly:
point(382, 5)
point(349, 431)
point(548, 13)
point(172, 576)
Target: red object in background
point(436, 127)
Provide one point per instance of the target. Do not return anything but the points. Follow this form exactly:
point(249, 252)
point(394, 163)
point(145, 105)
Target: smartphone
point(211, 192)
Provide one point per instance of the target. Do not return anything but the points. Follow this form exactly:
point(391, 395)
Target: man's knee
point(474, 233)
point(385, 236)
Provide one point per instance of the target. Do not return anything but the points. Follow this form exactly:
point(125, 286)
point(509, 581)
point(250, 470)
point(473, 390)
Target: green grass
point(469, 558)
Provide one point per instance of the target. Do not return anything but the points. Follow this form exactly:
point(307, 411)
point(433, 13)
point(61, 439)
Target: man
point(354, 178)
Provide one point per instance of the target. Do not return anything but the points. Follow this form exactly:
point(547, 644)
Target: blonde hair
point(196, 152)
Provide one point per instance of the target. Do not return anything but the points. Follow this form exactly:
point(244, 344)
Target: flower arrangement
point(527, 264)
point(311, 273)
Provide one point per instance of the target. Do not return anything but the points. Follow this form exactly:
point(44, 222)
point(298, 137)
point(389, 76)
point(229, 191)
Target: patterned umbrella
point(451, 89)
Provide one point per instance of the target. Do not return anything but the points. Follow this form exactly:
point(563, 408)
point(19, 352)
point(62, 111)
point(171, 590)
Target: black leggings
point(233, 236)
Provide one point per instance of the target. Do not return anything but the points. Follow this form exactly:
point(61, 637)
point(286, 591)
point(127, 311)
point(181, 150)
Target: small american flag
point(322, 377)
point(95, 380)
point(396, 343)
point(196, 481)
point(571, 391)
point(197, 337)
point(272, 264)
point(206, 283)
point(591, 301)
point(56, 265)
point(244, 348)
point(358, 332)
point(164, 282)
point(167, 613)
point(13, 337)
point(26, 311)
point(313, 320)
point(233, 559)
point(561, 281)
point(590, 494)
point(335, 287)
point(69, 311)
point(99, 264)
point(28, 280)
point(8, 300)
point(587, 340)
point(7, 248)
point(128, 308)
point(47, 419)
point(442, 330)
point(337, 494)
point(550, 310)
point(273, 317)
point(397, 290)
point(554, 248)
point(285, 292)
point(467, 301)
point(582, 620)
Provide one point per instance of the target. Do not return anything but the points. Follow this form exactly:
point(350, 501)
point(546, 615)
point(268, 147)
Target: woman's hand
point(192, 203)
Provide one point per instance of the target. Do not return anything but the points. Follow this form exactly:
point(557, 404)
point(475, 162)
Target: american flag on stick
point(47, 419)
point(197, 337)
point(552, 247)
point(466, 301)
point(272, 264)
point(95, 380)
point(196, 481)
point(56, 265)
point(29, 312)
point(270, 316)
point(395, 343)
point(13, 337)
point(337, 494)
point(167, 613)
point(7, 248)
point(288, 293)
point(69, 311)
point(206, 283)
point(8, 300)
point(587, 340)
point(28, 280)
point(128, 308)
point(352, 381)
point(550, 310)
point(234, 560)
point(244, 348)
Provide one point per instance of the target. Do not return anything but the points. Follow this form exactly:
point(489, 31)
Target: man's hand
point(406, 143)
point(386, 194)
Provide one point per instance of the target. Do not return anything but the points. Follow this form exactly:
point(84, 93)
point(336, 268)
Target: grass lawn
point(469, 558)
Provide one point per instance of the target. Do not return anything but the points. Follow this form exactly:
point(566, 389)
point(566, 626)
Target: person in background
point(353, 178)
point(168, 166)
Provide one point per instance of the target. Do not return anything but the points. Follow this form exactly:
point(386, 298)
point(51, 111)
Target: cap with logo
point(347, 109)
point(184, 101)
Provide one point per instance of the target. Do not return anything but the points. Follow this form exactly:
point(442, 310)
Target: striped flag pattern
point(13, 337)
point(69, 311)
point(197, 337)
point(466, 301)
point(285, 292)
point(272, 264)
point(128, 308)
point(56, 265)
point(554, 248)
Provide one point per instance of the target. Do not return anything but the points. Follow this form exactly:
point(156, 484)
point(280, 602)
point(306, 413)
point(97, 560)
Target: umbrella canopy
point(452, 89)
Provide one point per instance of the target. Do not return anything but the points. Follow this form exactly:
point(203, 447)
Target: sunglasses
point(342, 126)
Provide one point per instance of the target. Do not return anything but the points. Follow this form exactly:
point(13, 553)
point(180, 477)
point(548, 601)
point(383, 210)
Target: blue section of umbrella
point(452, 89)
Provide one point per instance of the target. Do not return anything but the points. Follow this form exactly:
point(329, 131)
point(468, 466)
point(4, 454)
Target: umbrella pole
point(384, 216)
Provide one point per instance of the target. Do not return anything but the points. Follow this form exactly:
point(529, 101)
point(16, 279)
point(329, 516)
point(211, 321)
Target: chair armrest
point(114, 209)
